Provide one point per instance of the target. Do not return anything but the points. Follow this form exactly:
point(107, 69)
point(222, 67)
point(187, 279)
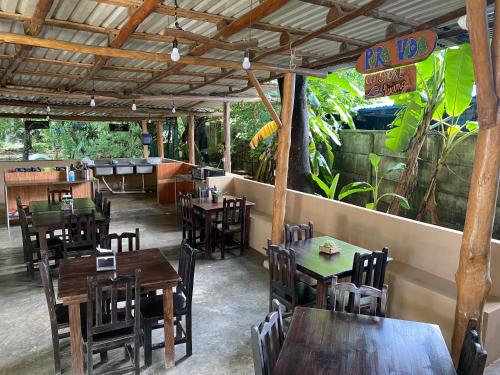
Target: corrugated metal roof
point(108, 16)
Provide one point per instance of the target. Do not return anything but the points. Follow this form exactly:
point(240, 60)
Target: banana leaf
point(265, 132)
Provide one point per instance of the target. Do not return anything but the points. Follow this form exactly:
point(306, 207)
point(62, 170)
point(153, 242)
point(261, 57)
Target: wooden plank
point(168, 327)
point(473, 275)
point(148, 56)
point(391, 82)
point(227, 137)
point(76, 340)
point(159, 139)
point(284, 139)
point(33, 28)
point(399, 51)
point(265, 101)
point(191, 144)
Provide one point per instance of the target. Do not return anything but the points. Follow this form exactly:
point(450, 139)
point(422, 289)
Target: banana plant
point(363, 186)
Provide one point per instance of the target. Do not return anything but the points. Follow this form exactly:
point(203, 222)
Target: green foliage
point(459, 79)
point(363, 187)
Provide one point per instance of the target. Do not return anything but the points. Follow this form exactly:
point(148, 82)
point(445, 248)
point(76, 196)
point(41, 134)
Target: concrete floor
point(229, 296)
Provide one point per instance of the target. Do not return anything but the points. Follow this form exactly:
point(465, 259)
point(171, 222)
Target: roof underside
point(90, 23)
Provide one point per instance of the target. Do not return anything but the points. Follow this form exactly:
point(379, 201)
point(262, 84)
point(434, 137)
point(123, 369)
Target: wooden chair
point(298, 232)
point(109, 329)
point(133, 240)
point(369, 269)
point(233, 223)
point(98, 200)
point(283, 282)
point(472, 356)
point(52, 194)
point(192, 230)
point(78, 234)
point(376, 299)
point(58, 313)
point(267, 341)
point(152, 307)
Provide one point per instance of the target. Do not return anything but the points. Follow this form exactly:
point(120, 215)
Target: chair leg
point(148, 344)
point(189, 337)
point(57, 353)
point(90, 360)
point(222, 245)
point(137, 355)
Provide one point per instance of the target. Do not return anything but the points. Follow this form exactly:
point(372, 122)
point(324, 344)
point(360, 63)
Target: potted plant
point(329, 247)
point(216, 195)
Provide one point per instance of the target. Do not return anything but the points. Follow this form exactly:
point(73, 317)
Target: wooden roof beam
point(32, 28)
point(135, 19)
point(140, 55)
point(105, 118)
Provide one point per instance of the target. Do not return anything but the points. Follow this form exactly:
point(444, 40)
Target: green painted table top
point(45, 206)
point(53, 218)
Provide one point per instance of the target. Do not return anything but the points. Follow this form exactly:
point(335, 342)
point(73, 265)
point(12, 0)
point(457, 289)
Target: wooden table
point(157, 273)
point(46, 206)
point(323, 267)
point(326, 342)
point(208, 208)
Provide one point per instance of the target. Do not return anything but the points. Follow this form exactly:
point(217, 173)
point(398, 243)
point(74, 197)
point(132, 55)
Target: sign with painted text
point(118, 127)
point(396, 52)
point(391, 82)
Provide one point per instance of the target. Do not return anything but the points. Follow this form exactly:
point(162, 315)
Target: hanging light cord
point(176, 23)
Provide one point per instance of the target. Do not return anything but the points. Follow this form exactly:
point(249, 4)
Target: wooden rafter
point(262, 10)
point(146, 8)
point(32, 28)
point(99, 117)
point(148, 56)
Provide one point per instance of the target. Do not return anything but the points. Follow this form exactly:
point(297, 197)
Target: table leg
point(168, 317)
point(208, 235)
point(75, 331)
point(321, 293)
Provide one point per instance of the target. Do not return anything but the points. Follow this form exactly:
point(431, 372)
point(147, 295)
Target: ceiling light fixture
point(92, 99)
point(173, 109)
point(462, 22)
point(134, 107)
point(175, 55)
point(246, 61)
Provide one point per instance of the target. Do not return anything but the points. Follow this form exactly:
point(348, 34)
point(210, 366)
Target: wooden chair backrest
point(369, 269)
point(132, 240)
point(472, 356)
point(48, 287)
point(52, 193)
point(23, 221)
point(187, 261)
point(267, 341)
point(106, 208)
point(233, 212)
point(342, 292)
point(298, 232)
point(186, 206)
point(282, 274)
point(78, 231)
point(98, 200)
point(104, 290)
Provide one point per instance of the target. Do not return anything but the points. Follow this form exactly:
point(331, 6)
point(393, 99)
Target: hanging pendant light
point(149, 118)
point(48, 107)
point(462, 22)
point(173, 109)
point(175, 55)
point(246, 61)
point(48, 116)
point(134, 107)
point(92, 99)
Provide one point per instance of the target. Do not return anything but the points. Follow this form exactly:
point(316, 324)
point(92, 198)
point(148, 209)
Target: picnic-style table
point(157, 273)
point(46, 206)
point(207, 208)
point(323, 267)
point(329, 342)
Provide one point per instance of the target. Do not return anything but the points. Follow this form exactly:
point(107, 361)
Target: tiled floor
point(229, 296)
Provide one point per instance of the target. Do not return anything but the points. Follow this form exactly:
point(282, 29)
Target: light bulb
point(462, 22)
point(246, 61)
point(149, 121)
point(48, 108)
point(174, 55)
point(134, 107)
point(173, 109)
point(47, 118)
point(92, 101)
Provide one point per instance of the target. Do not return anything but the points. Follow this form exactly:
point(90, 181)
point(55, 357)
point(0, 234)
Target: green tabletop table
point(322, 267)
point(46, 206)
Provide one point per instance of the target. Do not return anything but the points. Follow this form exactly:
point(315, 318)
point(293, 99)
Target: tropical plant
point(363, 186)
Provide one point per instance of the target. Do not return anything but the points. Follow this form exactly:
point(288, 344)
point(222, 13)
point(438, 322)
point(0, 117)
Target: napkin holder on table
point(106, 260)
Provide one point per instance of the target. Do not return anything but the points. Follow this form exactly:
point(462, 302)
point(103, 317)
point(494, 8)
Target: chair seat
point(152, 307)
point(306, 294)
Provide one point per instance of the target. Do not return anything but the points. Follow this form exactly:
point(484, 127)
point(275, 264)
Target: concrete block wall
point(351, 161)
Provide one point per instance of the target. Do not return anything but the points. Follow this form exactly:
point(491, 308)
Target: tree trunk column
point(227, 137)
point(159, 139)
point(192, 155)
point(145, 148)
point(473, 274)
point(284, 138)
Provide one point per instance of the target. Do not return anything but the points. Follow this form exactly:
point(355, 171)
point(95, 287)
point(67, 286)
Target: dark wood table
point(46, 206)
point(208, 208)
point(326, 342)
point(157, 273)
point(323, 267)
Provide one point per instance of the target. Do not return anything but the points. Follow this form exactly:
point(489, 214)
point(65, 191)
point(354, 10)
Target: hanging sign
point(403, 50)
point(391, 82)
point(118, 127)
point(35, 125)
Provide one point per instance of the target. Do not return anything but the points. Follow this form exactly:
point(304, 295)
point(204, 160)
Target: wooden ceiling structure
point(63, 52)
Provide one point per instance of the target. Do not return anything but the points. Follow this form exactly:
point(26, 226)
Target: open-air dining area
point(239, 187)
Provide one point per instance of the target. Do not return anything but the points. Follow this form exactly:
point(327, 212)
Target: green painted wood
point(45, 206)
point(53, 218)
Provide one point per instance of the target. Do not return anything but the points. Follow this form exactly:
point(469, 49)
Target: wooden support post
point(265, 101)
point(281, 173)
point(145, 148)
point(227, 137)
point(159, 139)
point(473, 274)
point(192, 154)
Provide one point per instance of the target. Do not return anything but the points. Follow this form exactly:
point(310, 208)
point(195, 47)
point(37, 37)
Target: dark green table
point(45, 206)
point(323, 267)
